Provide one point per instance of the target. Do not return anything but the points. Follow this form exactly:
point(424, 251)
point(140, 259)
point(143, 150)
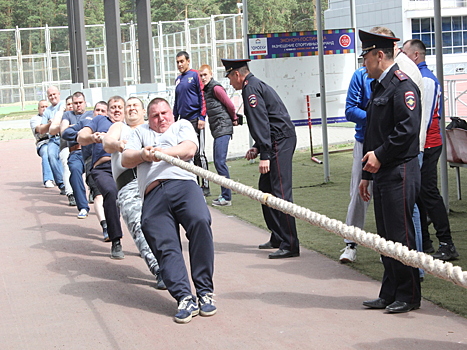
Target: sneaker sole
point(207, 314)
point(186, 319)
point(82, 217)
point(117, 257)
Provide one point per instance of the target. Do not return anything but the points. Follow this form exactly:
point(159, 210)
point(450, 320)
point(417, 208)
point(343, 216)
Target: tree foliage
point(264, 15)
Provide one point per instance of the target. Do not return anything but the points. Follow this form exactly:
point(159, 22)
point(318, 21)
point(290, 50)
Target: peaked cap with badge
point(230, 65)
point(372, 41)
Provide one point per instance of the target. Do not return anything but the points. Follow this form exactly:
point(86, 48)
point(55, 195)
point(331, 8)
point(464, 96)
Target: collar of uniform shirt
point(383, 75)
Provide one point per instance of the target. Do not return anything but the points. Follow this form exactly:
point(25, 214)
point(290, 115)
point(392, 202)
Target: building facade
point(410, 19)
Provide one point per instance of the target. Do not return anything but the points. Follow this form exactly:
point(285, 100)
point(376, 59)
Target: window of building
point(454, 34)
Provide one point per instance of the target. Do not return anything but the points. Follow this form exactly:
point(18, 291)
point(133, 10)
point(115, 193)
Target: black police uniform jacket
point(219, 119)
point(393, 120)
point(267, 116)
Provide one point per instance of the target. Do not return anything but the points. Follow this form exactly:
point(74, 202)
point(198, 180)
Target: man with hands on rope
point(391, 147)
point(172, 197)
point(272, 130)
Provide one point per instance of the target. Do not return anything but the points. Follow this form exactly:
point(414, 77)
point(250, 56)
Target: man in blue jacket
point(190, 105)
point(357, 97)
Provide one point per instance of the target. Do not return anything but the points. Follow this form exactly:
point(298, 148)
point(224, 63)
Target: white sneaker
point(349, 255)
point(49, 184)
point(83, 214)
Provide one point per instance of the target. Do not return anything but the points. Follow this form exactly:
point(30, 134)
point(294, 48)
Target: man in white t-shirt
point(128, 199)
point(172, 197)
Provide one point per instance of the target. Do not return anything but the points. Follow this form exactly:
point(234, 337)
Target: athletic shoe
point(71, 200)
point(349, 254)
point(187, 309)
point(49, 184)
point(206, 305)
point(105, 234)
point(116, 252)
point(221, 202)
point(62, 190)
point(83, 214)
point(206, 191)
point(446, 252)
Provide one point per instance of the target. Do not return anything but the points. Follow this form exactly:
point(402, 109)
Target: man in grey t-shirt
point(171, 197)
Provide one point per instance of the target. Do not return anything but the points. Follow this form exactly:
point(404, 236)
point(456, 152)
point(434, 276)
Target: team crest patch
point(252, 100)
point(410, 100)
point(190, 79)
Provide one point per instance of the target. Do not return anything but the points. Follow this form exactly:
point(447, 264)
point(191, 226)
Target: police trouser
point(130, 205)
point(395, 190)
point(200, 157)
point(102, 175)
point(278, 182)
point(174, 203)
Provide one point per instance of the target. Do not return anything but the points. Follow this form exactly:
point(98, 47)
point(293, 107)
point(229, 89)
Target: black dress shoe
point(401, 306)
point(283, 253)
point(267, 245)
point(376, 304)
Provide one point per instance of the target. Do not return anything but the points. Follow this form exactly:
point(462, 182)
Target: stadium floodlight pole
point(439, 73)
point(353, 20)
point(322, 85)
point(246, 54)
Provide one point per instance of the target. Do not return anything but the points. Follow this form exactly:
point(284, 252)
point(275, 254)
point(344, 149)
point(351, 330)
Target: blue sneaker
point(187, 309)
point(206, 305)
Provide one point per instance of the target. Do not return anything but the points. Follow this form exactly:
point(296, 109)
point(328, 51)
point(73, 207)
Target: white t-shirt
point(41, 139)
point(148, 172)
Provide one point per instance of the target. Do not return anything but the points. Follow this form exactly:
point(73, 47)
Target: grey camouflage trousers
point(130, 204)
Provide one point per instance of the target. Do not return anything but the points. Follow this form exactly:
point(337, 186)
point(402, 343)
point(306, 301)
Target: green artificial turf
point(331, 199)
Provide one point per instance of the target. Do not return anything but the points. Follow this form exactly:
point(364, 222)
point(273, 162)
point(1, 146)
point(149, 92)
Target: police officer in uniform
point(275, 140)
point(390, 149)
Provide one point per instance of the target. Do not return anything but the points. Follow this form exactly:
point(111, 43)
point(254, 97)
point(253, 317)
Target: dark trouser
point(278, 182)
point(220, 149)
point(430, 201)
point(395, 190)
point(105, 182)
point(174, 203)
point(200, 157)
point(89, 179)
point(76, 166)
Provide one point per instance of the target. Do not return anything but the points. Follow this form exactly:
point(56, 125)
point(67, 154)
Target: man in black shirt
point(275, 140)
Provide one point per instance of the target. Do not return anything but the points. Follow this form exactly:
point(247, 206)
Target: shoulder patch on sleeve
point(410, 101)
point(252, 100)
point(400, 75)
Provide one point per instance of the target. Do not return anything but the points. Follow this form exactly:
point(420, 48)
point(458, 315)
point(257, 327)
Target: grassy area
point(15, 112)
point(331, 199)
point(16, 134)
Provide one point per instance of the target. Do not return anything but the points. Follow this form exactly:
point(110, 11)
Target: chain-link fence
point(31, 59)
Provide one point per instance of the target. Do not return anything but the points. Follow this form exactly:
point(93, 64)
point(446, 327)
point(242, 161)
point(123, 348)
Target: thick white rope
point(398, 251)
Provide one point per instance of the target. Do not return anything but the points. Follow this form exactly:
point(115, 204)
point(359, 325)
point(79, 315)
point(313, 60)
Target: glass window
point(416, 25)
point(457, 50)
point(456, 23)
point(447, 50)
point(425, 25)
point(447, 40)
point(446, 24)
point(426, 39)
point(457, 39)
point(464, 35)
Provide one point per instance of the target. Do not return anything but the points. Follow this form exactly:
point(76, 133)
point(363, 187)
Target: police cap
point(230, 65)
point(372, 41)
